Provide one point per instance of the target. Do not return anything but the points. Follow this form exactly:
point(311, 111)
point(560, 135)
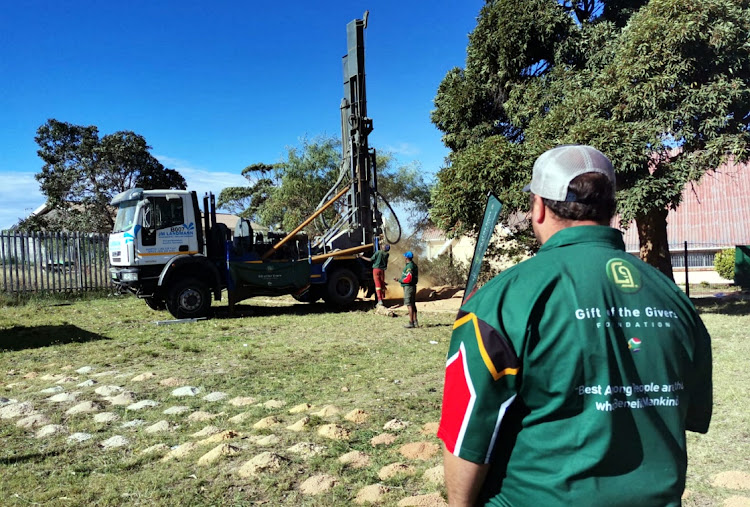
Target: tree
point(83, 172)
point(661, 86)
point(286, 193)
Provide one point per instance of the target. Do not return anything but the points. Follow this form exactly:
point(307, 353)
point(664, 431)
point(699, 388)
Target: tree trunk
point(652, 234)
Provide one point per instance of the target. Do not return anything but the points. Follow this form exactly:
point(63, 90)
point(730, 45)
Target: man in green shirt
point(408, 281)
point(379, 264)
point(572, 377)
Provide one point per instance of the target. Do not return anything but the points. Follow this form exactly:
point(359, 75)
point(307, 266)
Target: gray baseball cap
point(556, 168)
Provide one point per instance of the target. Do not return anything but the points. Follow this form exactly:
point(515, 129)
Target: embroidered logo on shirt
point(624, 275)
point(634, 344)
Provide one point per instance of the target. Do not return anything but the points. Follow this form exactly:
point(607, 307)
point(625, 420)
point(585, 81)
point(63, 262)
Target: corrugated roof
point(714, 213)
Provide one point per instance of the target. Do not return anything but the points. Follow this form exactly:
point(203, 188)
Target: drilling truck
point(174, 256)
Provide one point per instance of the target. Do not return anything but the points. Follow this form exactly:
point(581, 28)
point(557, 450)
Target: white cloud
point(19, 196)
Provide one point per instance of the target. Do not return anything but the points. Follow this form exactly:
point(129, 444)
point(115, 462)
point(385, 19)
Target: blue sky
point(216, 86)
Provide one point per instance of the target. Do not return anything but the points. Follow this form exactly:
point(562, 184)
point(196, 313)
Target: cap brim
point(527, 188)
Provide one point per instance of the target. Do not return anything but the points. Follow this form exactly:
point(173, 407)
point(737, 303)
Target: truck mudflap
point(276, 275)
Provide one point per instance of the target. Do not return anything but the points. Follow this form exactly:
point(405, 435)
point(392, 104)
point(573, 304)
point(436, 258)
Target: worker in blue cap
point(408, 281)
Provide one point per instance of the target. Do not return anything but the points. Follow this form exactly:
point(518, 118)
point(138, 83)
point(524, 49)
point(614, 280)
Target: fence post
point(687, 282)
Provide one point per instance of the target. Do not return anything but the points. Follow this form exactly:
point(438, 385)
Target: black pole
point(687, 284)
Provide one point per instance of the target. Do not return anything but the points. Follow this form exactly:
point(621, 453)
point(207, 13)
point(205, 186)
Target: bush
point(724, 263)
point(445, 270)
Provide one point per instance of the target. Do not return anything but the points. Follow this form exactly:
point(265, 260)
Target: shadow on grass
point(246, 310)
point(24, 337)
point(34, 457)
point(729, 305)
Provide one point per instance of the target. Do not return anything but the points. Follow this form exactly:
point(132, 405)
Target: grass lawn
point(281, 355)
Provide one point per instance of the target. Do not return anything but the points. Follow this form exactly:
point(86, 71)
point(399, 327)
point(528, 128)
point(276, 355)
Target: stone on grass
point(143, 404)
point(135, 423)
point(355, 459)
point(87, 383)
point(431, 500)
point(219, 437)
point(85, 407)
point(83, 370)
point(170, 382)
point(318, 484)
point(114, 442)
point(154, 449)
point(395, 469)
point(185, 391)
point(299, 425)
point(395, 425)
point(306, 449)
point(52, 390)
point(207, 431)
point(106, 417)
point(180, 451)
point(158, 427)
point(107, 391)
point(373, 493)
point(64, 397)
point(80, 437)
point(242, 401)
point(50, 430)
point(176, 410)
point(419, 450)
point(200, 415)
point(302, 407)
point(267, 422)
point(357, 416)
point(143, 376)
point(215, 396)
point(13, 410)
point(435, 475)
point(274, 404)
point(334, 432)
point(383, 439)
point(240, 417)
point(732, 480)
point(123, 399)
point(263, 462)
point(264, 440)
point(327, 411)
point(217, 453)
point(33, 421)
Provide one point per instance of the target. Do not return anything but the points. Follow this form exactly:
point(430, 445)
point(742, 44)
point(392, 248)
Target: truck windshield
point(125, 216)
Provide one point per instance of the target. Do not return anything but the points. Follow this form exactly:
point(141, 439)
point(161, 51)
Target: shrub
point(724, 263)
point(445, 270)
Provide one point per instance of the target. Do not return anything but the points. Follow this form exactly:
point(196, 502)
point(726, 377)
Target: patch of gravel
point(318, 484)
point(64, 397)
point(206, 432)
point(108, 391)
point(200, 415)
point(435, 475)
point(419, 450)
point(185, 391)
point(80, 437)
point(106, 417)
point(327, 411)
point(87, 383)
point(431, 500)
point(50, 430)
point(158, 427)
point(114, 442)
point(33, 421)
point(85, 407)
point(334, 432)
point(135, 423)
point(357, 416)
point(123, 399)
point(154, 449)
point(143, 376)
point(355, 459)
point(52, 390)
point(299, 425)
point(264, 440)
point(181, 451)
point(302, 407)
point(732, 480)
point(267, 422)
point(263, 462)
point(217, 453)
point(383, 439)
point(13, 410)
point(395, 425)
point(373, 493)
point(273, 404)
point(395, 469)
point(242, 401)
point(306, 449)
point(215, 396)
point(143, 404)
point(176, 410)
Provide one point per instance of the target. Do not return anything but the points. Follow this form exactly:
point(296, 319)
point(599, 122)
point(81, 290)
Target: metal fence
point(53, 262)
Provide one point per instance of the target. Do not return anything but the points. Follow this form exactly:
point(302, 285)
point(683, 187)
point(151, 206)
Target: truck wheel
point(311, 295)
point(342, 287)
point(188, 299)
point(155, 303)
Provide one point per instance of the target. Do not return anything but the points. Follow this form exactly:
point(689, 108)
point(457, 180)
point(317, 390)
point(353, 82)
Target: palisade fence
point(40, 262)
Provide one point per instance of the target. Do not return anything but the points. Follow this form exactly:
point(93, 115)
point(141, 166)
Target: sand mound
point(80, 437)
point(200, 415)
point(122, 399)
point(299, 425)
point(180, 451)
point(355, 459)
point(108, 391)
point(306, 449)
point(327, 411)
point(431, 500)
point(419, 450)
point(143, 376)
point(106, 417)
point(13, 410)
point(302, 407)
point(87, 383)
point(176, 410)
point(83, 370)
point(263, 462)
point(435, 475)
point(240, 417)
point(395, 425)
point(242, 401)
point(334, 432)
point(264, 440)
point(357, 416)
point(395, 469)
point(170, 382)
point(373, 493)
point(732, 480)
point(85, 407)
point(217, 453)
point(274, 404)
point(318, 484)
point(64, 397)
point(158, 427)
point(154, 449)
point(143, 404)
point(50, 430)
point(267, 422)
point(52, 390)
point(215, 396)
point(736, 501)
point(185, 391)
point(114, 442)
point(383, 439)
point(33, 421)
point(206, 432)
point(430, 429)
point(219, 437)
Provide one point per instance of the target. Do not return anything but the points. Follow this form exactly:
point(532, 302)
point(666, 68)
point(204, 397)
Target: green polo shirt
point(575, 374)
point(412, 268)
point(379, 260)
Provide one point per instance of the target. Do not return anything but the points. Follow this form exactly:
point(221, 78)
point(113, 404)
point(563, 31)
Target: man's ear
point(538, 210)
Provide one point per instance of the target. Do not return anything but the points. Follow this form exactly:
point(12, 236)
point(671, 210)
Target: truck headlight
point(130, 277)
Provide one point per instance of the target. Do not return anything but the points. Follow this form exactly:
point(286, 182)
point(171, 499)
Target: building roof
point(714, 213)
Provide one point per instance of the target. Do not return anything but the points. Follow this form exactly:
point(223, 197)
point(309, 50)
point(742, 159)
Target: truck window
point(125, 216)
point(166, 212)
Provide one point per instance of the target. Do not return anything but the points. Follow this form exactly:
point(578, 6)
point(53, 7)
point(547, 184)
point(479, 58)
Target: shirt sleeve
point(479, 388)
point(701, 390)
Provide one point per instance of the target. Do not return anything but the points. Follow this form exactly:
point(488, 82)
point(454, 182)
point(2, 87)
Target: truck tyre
point(189, 299)
point(342, 287)
point(311, 295)
point(155, 303)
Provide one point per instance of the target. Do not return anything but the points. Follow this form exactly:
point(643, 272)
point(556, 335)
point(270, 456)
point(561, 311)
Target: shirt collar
point(585, 234)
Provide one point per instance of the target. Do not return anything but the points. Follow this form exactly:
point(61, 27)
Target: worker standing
point(408, 281)
point(379, 265)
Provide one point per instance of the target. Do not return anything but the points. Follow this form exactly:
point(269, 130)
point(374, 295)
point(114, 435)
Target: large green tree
point(287, 192)
point(661, 86)
point(82, 172)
